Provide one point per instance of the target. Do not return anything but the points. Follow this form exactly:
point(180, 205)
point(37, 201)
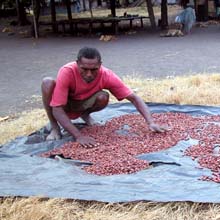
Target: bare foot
point(88, 119)
point(54, 135)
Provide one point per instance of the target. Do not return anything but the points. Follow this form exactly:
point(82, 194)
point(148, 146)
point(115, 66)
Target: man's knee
point(102, 99)
point(48, 84)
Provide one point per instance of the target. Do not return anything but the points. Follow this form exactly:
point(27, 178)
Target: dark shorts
point(83, 105)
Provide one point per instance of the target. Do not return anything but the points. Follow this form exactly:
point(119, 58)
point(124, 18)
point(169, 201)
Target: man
point(187, 18)
point(78, 91)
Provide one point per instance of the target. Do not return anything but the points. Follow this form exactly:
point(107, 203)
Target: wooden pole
point(34, 21)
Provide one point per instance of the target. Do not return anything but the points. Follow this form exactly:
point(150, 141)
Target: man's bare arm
point(61, 116)
point(145, 112)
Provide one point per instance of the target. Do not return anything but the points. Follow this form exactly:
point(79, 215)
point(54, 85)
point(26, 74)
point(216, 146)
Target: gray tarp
point(173, 178)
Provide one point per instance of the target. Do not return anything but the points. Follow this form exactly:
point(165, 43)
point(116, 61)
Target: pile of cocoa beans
point(124, 137)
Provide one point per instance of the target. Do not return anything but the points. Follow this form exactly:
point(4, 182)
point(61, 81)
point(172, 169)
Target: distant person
point(77, 6)
point(78, 91)
point(187, 18)
point(217, 6)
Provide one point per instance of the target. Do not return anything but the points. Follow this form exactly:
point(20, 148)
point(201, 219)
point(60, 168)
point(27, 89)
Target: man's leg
point(100, 102)
point(47, 88)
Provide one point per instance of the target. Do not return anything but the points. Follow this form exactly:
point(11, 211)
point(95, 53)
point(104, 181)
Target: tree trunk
point(53, 15)
point(99, 2)
point(164, 17)
point(22, 17)
point(84, 5)
point(126, 3)
point(112, 5)
point(68, 8)
point(90, 8)
point(69, 13)
point(151, 13)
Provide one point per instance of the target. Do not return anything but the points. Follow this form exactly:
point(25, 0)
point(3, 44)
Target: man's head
point(89, 62)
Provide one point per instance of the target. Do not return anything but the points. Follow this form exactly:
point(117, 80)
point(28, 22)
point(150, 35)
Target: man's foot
point(54, 135)
point(88, 119)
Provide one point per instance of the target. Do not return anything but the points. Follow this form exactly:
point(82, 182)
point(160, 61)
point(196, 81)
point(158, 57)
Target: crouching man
point(78, 91)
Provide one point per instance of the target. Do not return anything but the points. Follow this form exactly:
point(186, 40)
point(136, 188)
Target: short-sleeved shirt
point(70, 85)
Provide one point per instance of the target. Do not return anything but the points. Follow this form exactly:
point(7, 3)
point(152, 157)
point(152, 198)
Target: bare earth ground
point(25, 61)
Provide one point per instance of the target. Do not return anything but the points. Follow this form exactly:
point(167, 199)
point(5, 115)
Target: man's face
point(88, 68)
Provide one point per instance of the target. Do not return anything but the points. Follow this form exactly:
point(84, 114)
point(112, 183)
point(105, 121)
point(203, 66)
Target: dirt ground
point(25, 61)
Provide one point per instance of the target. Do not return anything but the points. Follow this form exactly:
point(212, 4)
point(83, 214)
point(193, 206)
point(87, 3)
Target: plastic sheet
point(174, 177)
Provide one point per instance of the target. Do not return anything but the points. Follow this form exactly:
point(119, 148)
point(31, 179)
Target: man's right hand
point(87, 142)
point(55, 134)
point(63, 119)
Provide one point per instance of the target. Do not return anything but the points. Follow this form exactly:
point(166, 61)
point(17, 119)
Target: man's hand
point(145, 112)
point(61, 116)
point(158, 128)
point(55, 134)
point(87, 142)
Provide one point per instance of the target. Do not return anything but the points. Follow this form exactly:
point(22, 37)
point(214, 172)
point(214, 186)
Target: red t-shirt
point(69, 83)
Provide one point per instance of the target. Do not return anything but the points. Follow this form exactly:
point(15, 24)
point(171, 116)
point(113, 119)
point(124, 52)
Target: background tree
point(21, 12)
point(164, 14)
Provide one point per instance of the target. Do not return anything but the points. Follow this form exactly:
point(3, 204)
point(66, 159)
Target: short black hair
point(89, 53)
